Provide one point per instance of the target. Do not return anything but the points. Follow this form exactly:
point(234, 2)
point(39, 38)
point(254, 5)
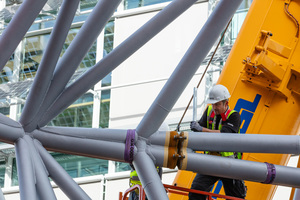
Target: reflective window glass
point(34, 48)
point(104, 108)
point(33, 51)
point(79, 166)
point(4, 111)
point(2, 173)
point(75, 166)
point(106, 81)
point(6, 74)
point(79, 114)
point(14, 174)
point(129, 4)
point(122, 167)
point(87, 4)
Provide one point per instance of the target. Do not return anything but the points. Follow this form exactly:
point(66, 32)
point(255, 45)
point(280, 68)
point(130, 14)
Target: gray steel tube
point(10, 130)
point(18, 27)
point(112, 135)
point(241, 169)
point(60, 176)
point(116, 57)
point(148, 174)
point(187, 67)
point(76, 52)
point(255, 143)
point(43, 186)
point(26, 174)
point(158, 152)
point(43, 78)
point(296, 194)
point(158, 138)
point(80, 146)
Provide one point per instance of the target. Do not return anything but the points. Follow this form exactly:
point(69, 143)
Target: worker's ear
point(226, 103)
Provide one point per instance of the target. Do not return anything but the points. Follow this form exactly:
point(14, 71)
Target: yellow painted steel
point(263, 72)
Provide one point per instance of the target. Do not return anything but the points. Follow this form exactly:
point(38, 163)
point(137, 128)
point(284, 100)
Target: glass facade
point(129, 4)
point(7, 72)
point(80, 114)
point(14, 175)
point(78, 166)
point(2, 172)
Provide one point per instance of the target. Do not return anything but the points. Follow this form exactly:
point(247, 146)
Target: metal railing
point(175, 190)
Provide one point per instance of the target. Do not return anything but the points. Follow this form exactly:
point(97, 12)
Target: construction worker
point(218, 118)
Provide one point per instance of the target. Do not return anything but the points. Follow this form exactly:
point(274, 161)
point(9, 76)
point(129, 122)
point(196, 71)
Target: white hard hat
point(217, 93)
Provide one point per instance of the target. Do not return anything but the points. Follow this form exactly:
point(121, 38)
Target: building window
point(4, 111)
point(106, 81)
point(32, 55)
point(79, 166)
point(129, 4)
point(75, 166)
point(7, 71)
point(14, 174)
point(79, 114)
point(87, 4)
point(34, 48)
point(2, 173)
point(120, 167)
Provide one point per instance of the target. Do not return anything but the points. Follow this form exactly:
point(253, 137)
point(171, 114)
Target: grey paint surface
point(31, 138)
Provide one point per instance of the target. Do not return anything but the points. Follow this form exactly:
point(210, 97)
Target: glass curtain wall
point(79, 114)
point(105, 94)
point(129, 4)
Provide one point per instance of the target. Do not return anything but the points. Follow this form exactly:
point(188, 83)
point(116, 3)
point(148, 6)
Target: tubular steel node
point(50, 94)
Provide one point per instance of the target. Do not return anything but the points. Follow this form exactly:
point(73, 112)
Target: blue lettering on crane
point(218, 188)
point(248, 108)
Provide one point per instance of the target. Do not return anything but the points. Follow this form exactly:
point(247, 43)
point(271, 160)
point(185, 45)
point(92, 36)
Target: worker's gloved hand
point(195, 126)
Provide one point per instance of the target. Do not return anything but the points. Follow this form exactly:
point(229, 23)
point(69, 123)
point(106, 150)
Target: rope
point(178, 126)
point(286, 9)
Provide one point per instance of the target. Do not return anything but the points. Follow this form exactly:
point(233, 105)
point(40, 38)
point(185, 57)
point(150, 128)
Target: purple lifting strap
point(129, 145)
point(271, 173)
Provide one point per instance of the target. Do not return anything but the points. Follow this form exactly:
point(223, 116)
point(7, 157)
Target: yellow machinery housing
point(262, 73)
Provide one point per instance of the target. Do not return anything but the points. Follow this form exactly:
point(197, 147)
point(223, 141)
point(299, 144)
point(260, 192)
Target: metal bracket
point(269, 65)
point(176, 149)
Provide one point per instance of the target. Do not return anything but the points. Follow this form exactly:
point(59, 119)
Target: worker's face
point(220, 107)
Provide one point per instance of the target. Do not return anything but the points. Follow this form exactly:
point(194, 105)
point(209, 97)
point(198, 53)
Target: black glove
point(195, 126)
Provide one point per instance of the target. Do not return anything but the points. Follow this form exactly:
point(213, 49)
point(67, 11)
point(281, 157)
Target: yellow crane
point(262, 73)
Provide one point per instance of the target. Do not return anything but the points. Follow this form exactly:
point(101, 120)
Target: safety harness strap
point(211, 123)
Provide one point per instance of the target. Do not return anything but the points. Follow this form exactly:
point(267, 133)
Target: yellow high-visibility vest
point(211, 119)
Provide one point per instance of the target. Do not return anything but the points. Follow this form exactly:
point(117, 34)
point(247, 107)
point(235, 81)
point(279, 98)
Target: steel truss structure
point(144, 146)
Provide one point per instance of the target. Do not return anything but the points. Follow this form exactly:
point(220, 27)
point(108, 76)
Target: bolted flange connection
point(175, 153)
